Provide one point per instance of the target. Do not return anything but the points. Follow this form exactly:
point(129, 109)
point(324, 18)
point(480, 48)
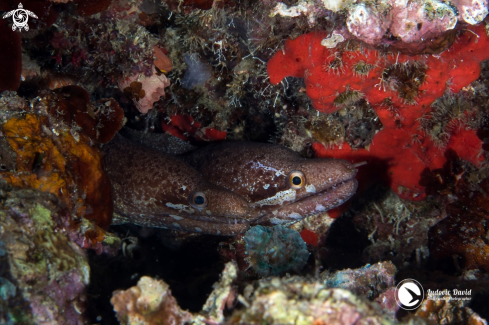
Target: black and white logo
point(20, 17)
point(410, 294)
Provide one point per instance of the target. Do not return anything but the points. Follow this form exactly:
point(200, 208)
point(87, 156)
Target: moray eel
point(280, 186)
point(155, 189)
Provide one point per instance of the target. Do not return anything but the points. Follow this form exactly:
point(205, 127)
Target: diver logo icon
point(409, 294)
point(20, 17)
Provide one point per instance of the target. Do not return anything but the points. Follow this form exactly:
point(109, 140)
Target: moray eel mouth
point(329, 198)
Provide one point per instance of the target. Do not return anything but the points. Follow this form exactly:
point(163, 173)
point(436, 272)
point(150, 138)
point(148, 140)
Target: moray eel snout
point(280, 186)
point(328, 183)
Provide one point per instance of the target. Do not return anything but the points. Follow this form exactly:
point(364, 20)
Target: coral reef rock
point(274, 251)
point(43, 272)
point(295, 301)
point(368, 281)
point(445, 309)
point(150, 302)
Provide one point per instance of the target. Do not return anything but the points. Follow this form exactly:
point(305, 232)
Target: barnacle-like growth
point(360, 122)
point(191, 27)
point(405, 78)
point(236, 88)
point(447, 116)
point(274, 251)
point(336, 65)
point(348, 97)
point(362, 68)
point(325, 130)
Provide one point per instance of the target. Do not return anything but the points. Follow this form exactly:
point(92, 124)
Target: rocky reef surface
point(397, 88)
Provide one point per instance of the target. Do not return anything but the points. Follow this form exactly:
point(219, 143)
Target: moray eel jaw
point(279, 184)
point(323, 175)
point(320, 202)
point(328, 184)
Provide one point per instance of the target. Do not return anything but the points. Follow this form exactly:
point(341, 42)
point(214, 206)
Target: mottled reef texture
point(398, 88)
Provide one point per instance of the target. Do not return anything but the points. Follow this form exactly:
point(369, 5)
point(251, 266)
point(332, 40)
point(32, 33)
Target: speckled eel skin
point(224, 187)
point(280, 186)
point(155, 189)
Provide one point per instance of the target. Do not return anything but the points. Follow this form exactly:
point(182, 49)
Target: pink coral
point(411, 21)
point(366, 23)
point(145, 91)
point(150, 302)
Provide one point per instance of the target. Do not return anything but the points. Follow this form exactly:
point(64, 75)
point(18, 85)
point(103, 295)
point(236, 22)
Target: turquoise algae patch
point(274, 251)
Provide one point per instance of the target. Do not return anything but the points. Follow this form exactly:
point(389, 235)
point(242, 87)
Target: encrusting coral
point(52, 142)
point(150, 302)
point(274, 251)
point(415, 27)
point(295, 301)
point(400, 89)
point(457, 311)
point(336, 298)
point(40, 257)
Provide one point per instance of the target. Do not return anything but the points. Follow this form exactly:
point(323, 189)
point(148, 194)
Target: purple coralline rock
point(48, 271)
point(413, 21)
point(418, 21)
point(387, 300)
point(414, 27)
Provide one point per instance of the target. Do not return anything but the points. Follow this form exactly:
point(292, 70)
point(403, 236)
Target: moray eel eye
point(198, 200)
point(296, 180)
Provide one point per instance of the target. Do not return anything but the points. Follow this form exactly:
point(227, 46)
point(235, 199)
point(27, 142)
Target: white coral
point(333, 5)
point(367, 23)
point(302, 8)
point(473, 11)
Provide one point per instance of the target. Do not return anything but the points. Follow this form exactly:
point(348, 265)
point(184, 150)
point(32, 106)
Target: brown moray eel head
point(280, 185)
point(159, 190)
